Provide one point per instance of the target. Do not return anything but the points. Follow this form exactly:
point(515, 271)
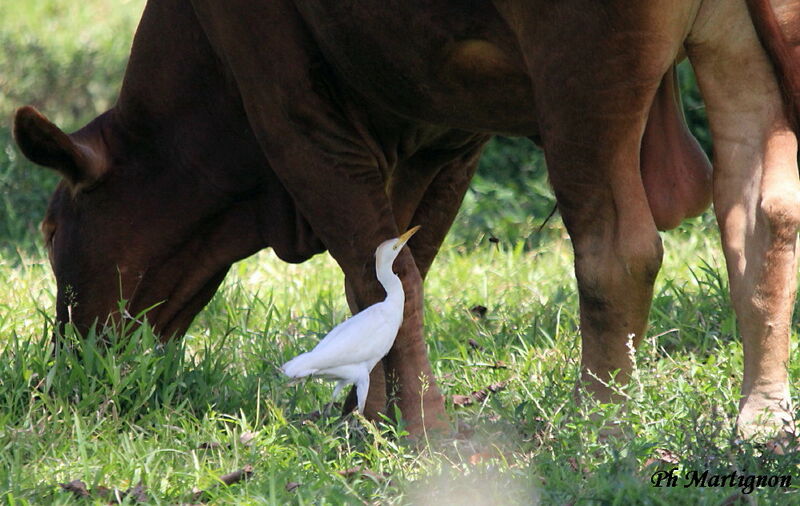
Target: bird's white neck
point(391, 283)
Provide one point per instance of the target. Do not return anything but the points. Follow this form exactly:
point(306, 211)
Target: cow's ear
point(81, 163)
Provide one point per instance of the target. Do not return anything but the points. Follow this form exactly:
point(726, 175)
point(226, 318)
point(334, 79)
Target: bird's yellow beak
point(403, 239)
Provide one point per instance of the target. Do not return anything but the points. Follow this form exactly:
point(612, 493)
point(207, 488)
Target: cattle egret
point(350, 351)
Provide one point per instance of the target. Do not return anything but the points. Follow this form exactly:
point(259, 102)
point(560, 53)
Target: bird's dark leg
point(338, 388)
point(336, 391)
point(326, 410)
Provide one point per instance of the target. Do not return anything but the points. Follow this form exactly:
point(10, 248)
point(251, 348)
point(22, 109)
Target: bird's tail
point(298, 367)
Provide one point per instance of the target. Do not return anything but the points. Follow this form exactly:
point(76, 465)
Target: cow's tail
point(783, 54)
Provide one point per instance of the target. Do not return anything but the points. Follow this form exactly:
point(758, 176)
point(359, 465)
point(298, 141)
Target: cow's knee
point(641, 255)
point(780, 210)
point(631, 256)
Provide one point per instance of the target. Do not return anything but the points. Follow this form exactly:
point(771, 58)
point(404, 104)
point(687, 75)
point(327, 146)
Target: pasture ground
point(162, 423)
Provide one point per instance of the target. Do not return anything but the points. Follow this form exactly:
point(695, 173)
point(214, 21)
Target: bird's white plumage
point(346, 343)
point(350, 351)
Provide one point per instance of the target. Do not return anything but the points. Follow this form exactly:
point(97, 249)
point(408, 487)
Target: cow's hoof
point(769, 421)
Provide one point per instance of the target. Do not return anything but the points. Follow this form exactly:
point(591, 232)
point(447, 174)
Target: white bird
point(350, 351)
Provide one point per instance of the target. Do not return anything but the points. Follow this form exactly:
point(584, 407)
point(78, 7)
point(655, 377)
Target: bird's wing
point(365, 336)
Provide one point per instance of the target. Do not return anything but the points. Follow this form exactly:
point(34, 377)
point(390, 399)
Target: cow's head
point(152, 224)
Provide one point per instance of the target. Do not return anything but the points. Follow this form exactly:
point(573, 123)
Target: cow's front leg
point(757, 203)
point(323, 152)
point(426, 190)
point(593, 101)
point(406, 369)
point(434, 206)
point(617, 257)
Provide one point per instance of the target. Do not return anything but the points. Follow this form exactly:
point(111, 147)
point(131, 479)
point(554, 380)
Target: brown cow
point(321, 124)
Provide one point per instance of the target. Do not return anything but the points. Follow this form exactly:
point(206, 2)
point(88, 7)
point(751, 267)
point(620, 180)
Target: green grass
point(172, 418)
point(177, 418)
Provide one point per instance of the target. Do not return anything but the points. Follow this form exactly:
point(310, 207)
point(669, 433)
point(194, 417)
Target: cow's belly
point(448, 62)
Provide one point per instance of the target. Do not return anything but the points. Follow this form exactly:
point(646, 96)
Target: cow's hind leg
point(756, 200)
point(593, 101)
